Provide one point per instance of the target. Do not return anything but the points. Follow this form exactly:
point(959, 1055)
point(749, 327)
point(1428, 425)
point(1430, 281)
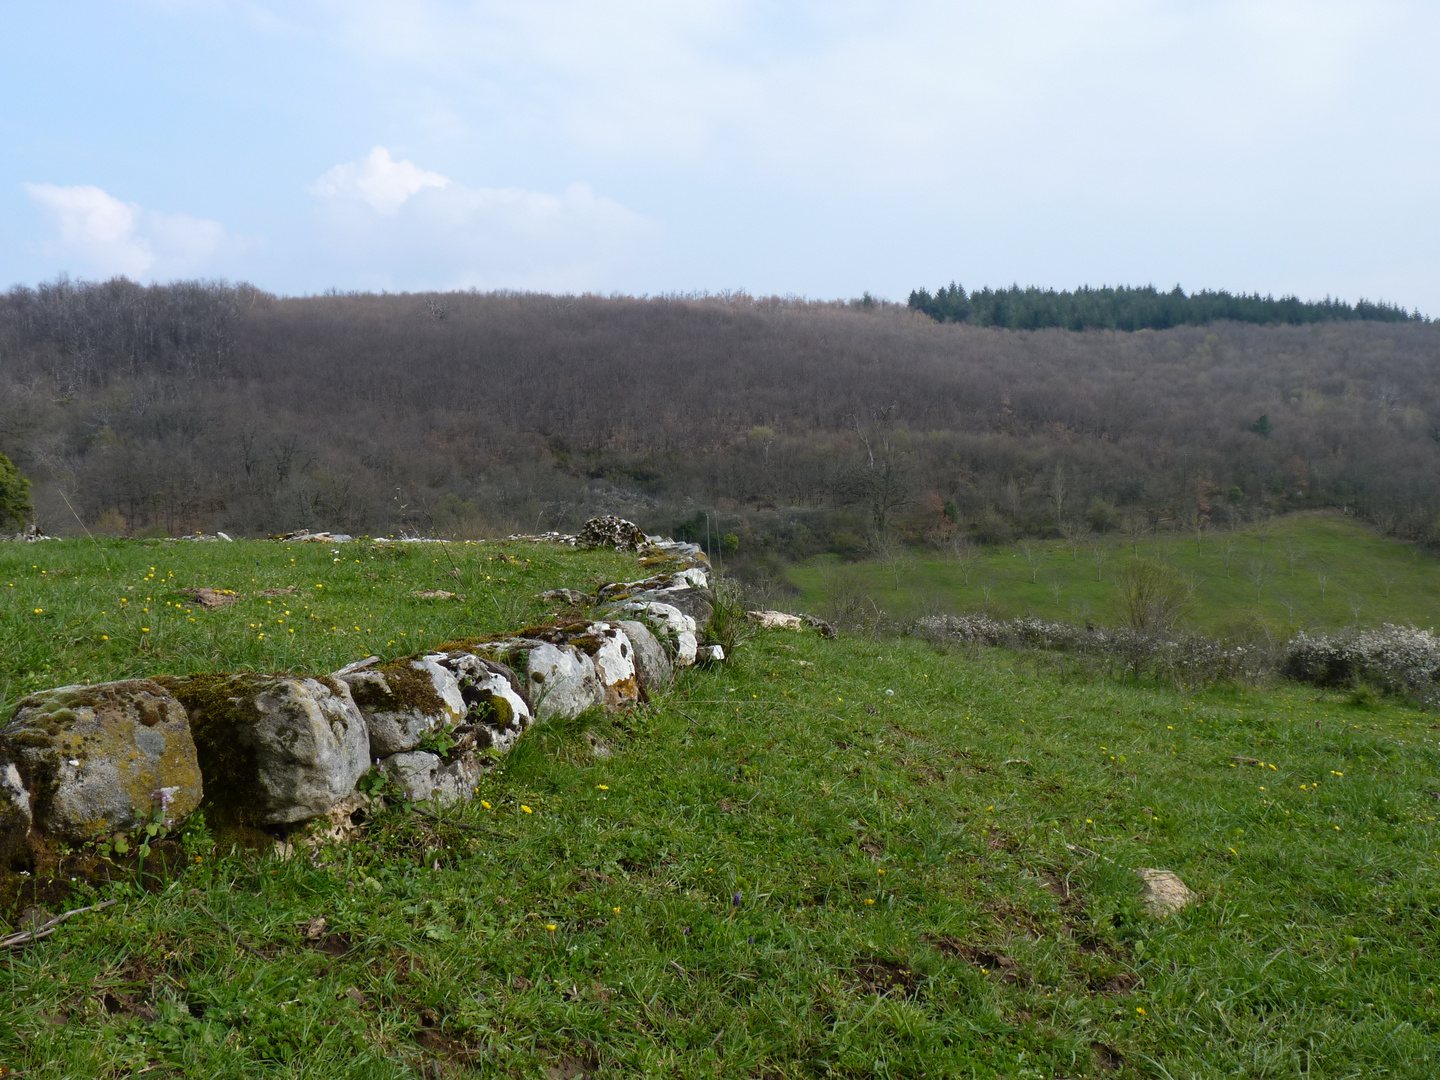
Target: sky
point(807, 149)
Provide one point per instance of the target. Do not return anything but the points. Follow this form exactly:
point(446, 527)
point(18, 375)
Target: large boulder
point(652, 666)
point(90, 760)
point(274, 749)
point(613, 654)
point(405, 700)
point(612, 532)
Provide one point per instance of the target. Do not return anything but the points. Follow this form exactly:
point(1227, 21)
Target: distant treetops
point(1143, 308)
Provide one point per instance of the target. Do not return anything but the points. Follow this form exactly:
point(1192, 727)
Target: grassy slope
point(708, 889)
point(1389, 581)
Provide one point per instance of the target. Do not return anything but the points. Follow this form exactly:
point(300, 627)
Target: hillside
point(858, 856)
point(798, 427)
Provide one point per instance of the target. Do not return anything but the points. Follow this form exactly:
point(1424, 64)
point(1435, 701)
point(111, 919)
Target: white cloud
point(115, 237)
point(400, 226)
point(378, 180)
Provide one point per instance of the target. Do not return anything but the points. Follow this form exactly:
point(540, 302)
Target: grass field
point(858, 857)
point(1304, 572)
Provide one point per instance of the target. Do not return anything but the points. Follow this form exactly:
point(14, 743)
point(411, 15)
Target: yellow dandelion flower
point(525, 809)
point(602, 787)
point(485, 804)
point(1139, 1010)
point(616, 910)
point(869, 901)
point(551, 927)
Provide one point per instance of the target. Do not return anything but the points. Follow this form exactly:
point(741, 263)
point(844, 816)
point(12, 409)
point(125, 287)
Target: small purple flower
point(686, 931)
point(752, 939)
point(736, 901)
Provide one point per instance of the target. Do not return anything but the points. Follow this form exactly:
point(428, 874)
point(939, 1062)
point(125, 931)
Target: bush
point(14, 494)
point(1402, 660)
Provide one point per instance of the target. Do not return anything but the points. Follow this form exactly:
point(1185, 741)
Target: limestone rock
point(1164, 893)
point(15, 816)
point(610, 648)
point(674, 628)
point(652, 666)
point(777, 620)
point(405, 700)
point(612, 532)
point(710, 654)
point(98, 759)
point(558, 680)
point(274, 749)
point(496, 714)
point(427, 777)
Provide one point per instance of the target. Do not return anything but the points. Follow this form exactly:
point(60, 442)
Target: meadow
point(1300, 572)
point(849, 857)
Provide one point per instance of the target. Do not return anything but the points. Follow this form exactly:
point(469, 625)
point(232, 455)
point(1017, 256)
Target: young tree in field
point(1135, 528)
point(1322, 578)
point(1228, 549)
point(1151, 596)
point(1293, 553)
point(14, 494)
point(1074, 533)
point(1099, 555)
point(1259, 574)
point(1034, 554)
point(963, 552)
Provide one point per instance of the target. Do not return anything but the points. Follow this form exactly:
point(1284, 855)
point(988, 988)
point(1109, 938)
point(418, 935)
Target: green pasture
point(859, 857)
point(1302, 572)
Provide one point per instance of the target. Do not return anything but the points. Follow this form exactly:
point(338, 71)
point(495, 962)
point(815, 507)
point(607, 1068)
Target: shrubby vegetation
point(774, 428)
point(1132, 308)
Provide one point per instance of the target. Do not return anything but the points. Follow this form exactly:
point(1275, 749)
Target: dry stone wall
point(257, 751)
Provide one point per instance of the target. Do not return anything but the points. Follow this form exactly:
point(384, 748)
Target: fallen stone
point(436, 594)
point(776, 620)
point(210, 598)
point(1164, 893)
point(652, 666)
point(274, 749)
point(612, 532)
point(427, 777)
point(572, 597)
point(94, 760)
point(710, 654)
point(405, 700)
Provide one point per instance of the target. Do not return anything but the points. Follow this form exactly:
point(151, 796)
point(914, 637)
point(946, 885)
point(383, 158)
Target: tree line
point(792, 426)
point(1136, 308)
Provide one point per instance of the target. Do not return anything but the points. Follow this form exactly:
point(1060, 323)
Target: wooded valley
point(797, 426)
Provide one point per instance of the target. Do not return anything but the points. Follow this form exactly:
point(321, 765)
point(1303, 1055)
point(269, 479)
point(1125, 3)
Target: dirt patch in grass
point(1107, 1058)
point(990, 959)
point(880, 976)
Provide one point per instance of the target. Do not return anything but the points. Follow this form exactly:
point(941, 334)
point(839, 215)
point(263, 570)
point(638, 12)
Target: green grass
point(1367, 579)
point(782, 870)
point(83, 611)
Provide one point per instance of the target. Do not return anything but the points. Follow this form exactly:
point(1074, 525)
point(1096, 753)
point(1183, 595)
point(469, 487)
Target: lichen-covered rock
point(427, 777)
point(674, 628)
point(274, 749)
point(613, 532)
point(15, 817)
point(496, 714)
point(776, 620)
point(610, 648)
point(699, 604)
point(405, 700)
point(99, 759)
point(652, 666)
point(559, 680)
point(1163, 893)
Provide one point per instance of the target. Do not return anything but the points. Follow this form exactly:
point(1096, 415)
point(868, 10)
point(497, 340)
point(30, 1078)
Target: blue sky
point(815, 149)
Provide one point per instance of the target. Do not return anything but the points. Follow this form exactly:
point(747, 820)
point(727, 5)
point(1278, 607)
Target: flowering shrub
point(1189, 659)
point(1398, 659)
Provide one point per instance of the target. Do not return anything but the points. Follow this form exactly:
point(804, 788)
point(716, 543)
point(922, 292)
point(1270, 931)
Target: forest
point(1144, 308)
point(774, 428)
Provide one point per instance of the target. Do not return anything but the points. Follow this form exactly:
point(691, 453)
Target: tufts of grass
point(849, 857)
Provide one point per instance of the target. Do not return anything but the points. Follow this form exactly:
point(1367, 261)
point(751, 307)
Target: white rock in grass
point(673, 627)
point(425, 777)
point(1164, 893)
point(558, 680)
point(495, 713)
point(405, 700)
point(274, 749)
point(651, 664)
